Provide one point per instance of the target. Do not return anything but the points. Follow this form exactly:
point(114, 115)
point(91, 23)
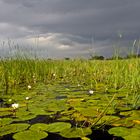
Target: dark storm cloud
point(76, 21)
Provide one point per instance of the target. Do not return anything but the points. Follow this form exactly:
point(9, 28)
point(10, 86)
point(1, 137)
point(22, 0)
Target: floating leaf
point(64, 118)
point(5, 109)
point(38, 110)
point(27, 117)
point(134, 134)
point(125, 122)
point(76, 132)
point(5, 121)
point(53, 127)
point(5, 113)
point(89, 111)
point(58, 127)
point(119, 131)
point(12, 128)
point(39, 126)
point(30, 135)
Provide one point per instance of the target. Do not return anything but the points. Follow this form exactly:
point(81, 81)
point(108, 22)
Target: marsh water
point(62, 111)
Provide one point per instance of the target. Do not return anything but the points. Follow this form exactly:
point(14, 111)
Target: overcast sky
point(70, 28)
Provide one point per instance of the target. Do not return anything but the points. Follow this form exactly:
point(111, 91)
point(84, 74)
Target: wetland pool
point(65, 112)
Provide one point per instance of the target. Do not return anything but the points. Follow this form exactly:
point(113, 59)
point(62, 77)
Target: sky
point(69, 28)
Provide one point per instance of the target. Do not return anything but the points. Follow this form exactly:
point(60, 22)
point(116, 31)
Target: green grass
point(118, 74)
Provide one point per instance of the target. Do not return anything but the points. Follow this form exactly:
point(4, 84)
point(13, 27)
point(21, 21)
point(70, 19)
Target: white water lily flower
point(29, 87)
point(15, 106)
point(27, 98)
point(90, 92)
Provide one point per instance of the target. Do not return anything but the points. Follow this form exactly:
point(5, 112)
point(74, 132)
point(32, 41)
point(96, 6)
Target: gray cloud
point(71, 23)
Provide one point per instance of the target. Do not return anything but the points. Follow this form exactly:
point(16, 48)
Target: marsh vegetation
point(69, 99)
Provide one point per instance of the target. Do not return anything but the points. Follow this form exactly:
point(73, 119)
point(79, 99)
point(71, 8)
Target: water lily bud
point(15, 106)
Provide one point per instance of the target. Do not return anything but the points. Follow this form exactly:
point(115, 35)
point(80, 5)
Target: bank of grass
point(96, 74)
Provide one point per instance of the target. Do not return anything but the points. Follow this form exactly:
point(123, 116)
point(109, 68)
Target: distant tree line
point(100, 57)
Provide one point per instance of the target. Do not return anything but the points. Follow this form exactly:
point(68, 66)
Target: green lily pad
point(124, 122)
point(39, 126)
point(5, 113)
point(13, 128)
point(89, 111)
point(58, 127)
point(119, 131)
point(38, 111)
point(133, 135)
point(75, 132)
point(5, 109)
point(64, 118)
point(5, 121)
point(27, 117)
point(30, 135)
point(135, 115)
point(53, 127)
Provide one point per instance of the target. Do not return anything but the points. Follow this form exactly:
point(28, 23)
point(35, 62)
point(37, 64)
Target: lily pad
point(5, 121)
point(58, 127)
point(13, 128)
point(89, 111)
point(124, 122)
point(119, 131)
point(133, 135)
point(5, 113)
point(39, 126)
point(38, 110)
point(30, 135)
point(5, 109)
point(75, 132)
